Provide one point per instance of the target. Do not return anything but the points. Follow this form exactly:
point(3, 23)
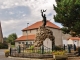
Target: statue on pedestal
point(44, 17)
point(42, 34)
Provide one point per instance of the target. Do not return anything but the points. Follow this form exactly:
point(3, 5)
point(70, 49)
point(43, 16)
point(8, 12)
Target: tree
point(68, 14)
point(11, 38)
point(5, 39)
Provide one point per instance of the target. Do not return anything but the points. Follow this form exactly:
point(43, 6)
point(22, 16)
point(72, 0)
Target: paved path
point(74, 58)
point(2, 57)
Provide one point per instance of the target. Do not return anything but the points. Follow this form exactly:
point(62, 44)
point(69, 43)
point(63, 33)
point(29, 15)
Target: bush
point(31, 47)
point(58, 48)
point(3, 45)
point(6, 53)
point(59, 52)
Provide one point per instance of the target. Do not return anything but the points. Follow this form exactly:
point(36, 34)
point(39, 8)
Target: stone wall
point(42, 34)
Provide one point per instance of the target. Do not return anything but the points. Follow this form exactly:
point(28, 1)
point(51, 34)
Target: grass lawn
point(12, 46)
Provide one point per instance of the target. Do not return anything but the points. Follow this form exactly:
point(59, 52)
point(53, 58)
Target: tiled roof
point(74, 38)
point(23, 38)
point(39, 23)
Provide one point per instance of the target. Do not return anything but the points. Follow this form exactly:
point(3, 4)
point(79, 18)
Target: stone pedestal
point(60, 57)
point(43, 33)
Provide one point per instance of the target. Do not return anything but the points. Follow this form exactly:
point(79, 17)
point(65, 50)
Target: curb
point(31, 58)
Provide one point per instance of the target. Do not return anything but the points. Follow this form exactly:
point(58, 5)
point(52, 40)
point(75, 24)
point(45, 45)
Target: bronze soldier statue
point(44, 17)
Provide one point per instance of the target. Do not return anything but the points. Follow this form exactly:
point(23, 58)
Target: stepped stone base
point(43, 33)
point(32, 55)
point(71, 55)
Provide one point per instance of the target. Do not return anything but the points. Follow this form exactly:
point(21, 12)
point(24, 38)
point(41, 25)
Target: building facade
point(74, 40)
point(29, 33)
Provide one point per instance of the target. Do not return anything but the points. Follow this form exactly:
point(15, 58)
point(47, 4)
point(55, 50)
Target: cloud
point(15, 14)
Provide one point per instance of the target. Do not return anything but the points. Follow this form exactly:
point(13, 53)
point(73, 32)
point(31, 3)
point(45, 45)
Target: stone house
point(29, 34)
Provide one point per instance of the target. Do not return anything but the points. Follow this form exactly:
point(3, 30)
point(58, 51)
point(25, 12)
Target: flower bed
point(6, 53)
point(60, 55)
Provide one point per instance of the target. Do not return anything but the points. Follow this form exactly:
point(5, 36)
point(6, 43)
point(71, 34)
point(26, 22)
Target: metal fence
point(42, 52)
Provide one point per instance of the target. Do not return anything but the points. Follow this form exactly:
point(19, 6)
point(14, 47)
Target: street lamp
point(27, 32)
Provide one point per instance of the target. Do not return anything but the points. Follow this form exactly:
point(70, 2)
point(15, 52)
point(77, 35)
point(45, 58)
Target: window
point(36, 29)
point(22, 42)
point(30, 42)
point(26, 43)
point(30, 31)
point(19, 42)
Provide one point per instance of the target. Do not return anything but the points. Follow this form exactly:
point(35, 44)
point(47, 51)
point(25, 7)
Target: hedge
point(3, 45)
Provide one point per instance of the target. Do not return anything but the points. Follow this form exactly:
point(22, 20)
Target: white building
point(29, 34)
point(74, 40)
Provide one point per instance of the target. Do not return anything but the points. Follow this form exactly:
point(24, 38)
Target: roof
point(23, 38)
point(74, 38)
point(39, 23)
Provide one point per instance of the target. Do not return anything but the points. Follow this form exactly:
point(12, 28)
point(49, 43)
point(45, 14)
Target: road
point(2, 56)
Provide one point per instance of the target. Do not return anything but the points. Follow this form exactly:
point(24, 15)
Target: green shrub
point(31, 47)
point(6, 53)
point(3, 45)
point(58, 48)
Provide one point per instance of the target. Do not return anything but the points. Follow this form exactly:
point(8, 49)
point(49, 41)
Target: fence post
point(42, 49)
point(69, 49)
point(64, 47)
point(10, 51)
point(19, 49)
point(74, 47)
point(78, 51)
point(53, 45)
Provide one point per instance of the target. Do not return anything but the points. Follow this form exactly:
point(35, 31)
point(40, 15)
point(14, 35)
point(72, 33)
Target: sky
point(15, 14)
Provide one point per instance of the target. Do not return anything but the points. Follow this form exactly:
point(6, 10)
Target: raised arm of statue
point(41, 13)
point(44, 17)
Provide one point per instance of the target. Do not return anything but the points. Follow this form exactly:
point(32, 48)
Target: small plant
point(59, 52)
point(6, 53)
point(31, 47)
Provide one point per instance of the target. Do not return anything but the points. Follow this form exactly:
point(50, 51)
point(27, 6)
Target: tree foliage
point(11, 38)
point(68, 14)
point(5, 39)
